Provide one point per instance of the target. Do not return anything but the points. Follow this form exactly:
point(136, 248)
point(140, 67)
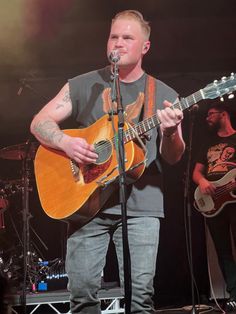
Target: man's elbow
point(32, 127)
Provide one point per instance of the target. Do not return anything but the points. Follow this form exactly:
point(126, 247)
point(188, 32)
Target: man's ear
point(146, 46)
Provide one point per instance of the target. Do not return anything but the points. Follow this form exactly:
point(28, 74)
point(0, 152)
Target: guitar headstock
point(227, 85)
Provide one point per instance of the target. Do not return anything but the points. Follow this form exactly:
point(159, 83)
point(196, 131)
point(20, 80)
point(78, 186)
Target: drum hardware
point(11, 268)
point(25, 153)
point(20, 151)
point(3, 206)
point(9, 188)
point(2, 222)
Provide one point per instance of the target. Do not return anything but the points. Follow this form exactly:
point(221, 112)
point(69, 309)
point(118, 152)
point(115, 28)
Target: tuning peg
point(222, 99)
point(223, 78)
point(215, 82)
point(231, 96)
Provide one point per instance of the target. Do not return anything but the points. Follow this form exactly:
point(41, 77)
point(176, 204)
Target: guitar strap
point(149, 105)
point(150, 97)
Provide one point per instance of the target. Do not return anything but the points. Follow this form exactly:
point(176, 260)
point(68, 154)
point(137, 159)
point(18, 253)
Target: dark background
point(45, 42)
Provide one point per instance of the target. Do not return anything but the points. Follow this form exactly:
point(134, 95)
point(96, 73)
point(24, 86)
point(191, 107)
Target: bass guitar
point(68, 190)
point(225, 193)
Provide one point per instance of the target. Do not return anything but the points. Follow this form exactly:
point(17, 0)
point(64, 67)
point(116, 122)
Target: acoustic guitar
point(68, 190)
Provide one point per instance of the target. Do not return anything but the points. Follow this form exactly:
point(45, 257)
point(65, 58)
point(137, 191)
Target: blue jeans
point(86, 257)
point(220, 227)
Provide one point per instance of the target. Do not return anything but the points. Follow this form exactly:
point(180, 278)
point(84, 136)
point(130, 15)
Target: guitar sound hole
point(104, 151)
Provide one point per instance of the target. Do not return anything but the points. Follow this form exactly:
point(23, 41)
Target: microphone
point(114, 56)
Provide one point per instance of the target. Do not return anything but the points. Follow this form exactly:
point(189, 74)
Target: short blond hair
point(137, 16)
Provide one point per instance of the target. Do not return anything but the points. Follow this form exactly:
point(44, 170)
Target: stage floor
point(111, 301)
point(58, 301)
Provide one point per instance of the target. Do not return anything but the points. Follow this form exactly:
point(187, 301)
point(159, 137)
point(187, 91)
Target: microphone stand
point(25, 208)
point(116, 96)
point(26, 226)
point(188, 207)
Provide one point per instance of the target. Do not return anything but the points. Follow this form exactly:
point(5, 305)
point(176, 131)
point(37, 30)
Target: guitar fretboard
point(153, 121)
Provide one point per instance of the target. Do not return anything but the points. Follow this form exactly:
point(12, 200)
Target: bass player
point(215, 160)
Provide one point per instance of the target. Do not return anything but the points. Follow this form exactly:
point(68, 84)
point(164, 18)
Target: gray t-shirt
point(91, 98)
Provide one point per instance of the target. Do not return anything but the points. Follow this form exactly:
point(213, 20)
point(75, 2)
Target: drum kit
point(14, 258)
point(21, 152)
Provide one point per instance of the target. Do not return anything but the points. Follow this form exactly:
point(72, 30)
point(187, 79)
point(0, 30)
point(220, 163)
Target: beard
point(214, 127)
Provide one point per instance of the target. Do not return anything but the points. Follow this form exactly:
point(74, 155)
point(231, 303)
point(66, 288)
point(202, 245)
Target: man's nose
point(119, 42)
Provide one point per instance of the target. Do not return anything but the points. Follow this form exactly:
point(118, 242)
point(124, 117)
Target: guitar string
point(221, 190)
point(149, 123)
point(139, 128)
point(226, 187)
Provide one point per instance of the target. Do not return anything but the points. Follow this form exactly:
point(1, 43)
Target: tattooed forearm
point(48, 131)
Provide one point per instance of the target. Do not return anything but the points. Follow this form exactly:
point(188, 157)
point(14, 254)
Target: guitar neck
point(153, 121)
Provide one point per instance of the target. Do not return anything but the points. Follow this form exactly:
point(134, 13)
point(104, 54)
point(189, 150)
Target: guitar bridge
point(75, 170)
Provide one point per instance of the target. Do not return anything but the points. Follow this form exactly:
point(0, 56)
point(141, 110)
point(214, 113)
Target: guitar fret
point(202, 94)
point(152, 121)
point(143, 125)
point(141, 128)
point(199, 95)
point(190, 100)
point(156, 120)
point(194, 99)
point(128, 135)
point(182, 104)
point(178, 106)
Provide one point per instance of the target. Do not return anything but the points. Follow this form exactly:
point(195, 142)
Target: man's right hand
point(79, 150)
point(206, 187)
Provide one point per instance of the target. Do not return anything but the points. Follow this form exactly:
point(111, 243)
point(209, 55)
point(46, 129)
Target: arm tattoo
point(65, 99)
point(49, 132)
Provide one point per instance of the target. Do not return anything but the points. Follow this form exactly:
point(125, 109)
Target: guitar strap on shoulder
point(148, 108)
point(150, 97)
point(150, 104)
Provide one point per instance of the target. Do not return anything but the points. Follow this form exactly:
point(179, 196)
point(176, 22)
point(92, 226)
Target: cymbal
point(19, 151)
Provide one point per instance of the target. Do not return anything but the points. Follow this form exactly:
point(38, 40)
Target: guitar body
point(225, 193)
point(70, 191)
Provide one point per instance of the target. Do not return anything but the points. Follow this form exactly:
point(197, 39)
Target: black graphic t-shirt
point(219, 156)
